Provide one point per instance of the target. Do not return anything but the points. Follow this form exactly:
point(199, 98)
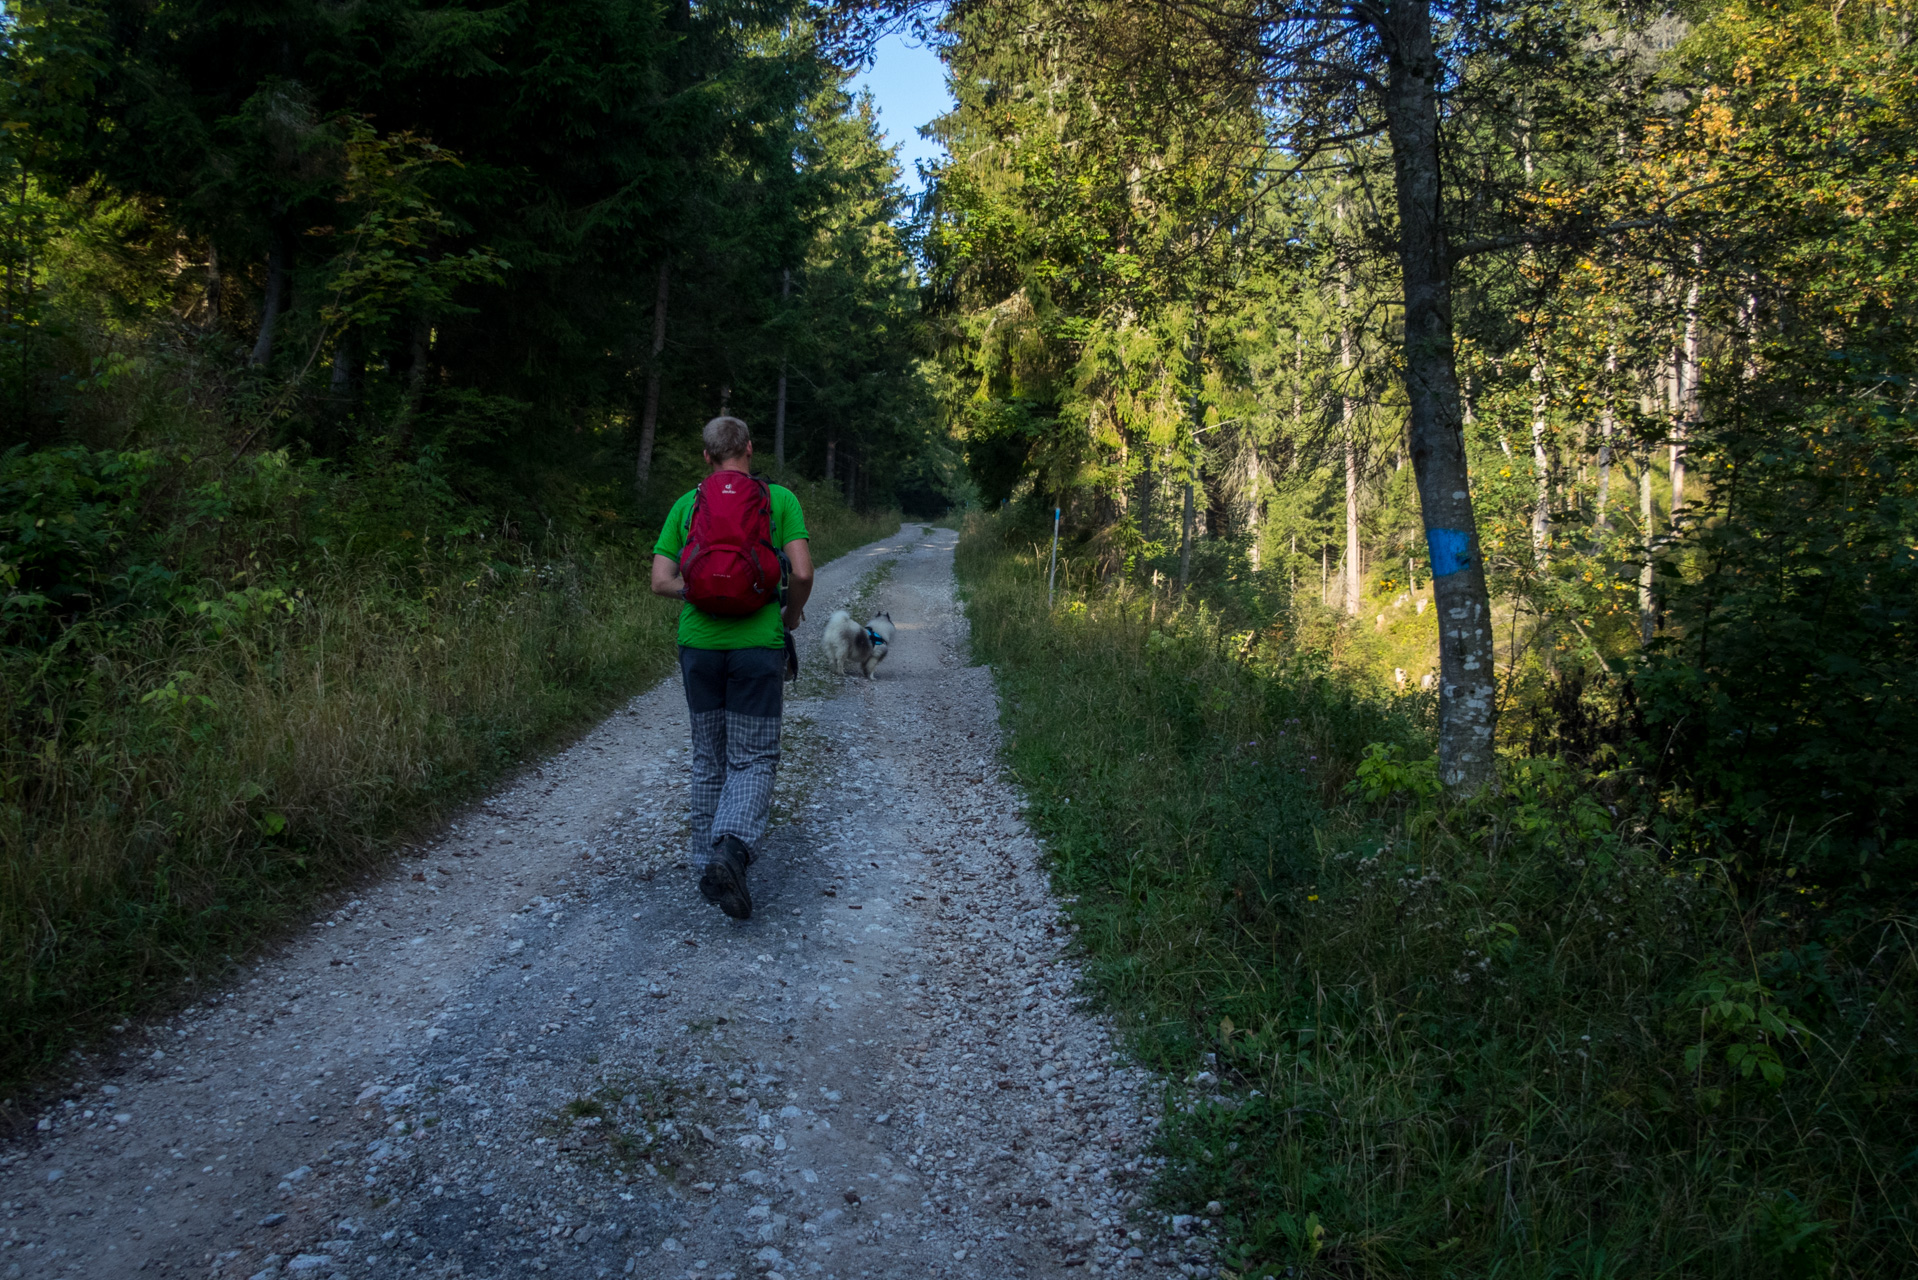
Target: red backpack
point(729, 563)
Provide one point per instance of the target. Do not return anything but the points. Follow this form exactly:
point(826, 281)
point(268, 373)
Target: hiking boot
point(723, 882)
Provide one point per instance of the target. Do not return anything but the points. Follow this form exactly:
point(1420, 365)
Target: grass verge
point(175, 787)
point(1511, 1038)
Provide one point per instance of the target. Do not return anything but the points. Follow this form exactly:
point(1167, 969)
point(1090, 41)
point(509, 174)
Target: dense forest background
point(1168, 269)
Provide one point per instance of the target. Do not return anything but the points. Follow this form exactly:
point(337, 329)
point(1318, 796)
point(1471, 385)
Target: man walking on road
point(716, 553)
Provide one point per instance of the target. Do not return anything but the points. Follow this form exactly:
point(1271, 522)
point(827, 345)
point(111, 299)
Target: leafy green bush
point(69, 516)
point(1782, 708)
point(1518, 1037)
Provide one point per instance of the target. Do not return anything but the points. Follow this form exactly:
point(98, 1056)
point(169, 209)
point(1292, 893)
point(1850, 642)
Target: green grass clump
point(1513, 1037)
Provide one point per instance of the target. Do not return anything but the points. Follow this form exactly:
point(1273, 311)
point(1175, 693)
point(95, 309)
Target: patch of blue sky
point(908, 85)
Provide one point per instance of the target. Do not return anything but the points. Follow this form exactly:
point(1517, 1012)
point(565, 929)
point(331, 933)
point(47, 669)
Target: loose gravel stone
point(533, 1048)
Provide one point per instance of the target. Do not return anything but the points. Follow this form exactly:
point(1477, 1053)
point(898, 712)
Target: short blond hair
point(726, 439)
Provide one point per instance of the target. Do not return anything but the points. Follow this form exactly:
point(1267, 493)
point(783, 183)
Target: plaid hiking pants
point(735, 697)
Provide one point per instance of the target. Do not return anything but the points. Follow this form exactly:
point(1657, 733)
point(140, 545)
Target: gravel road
point(532, 1048)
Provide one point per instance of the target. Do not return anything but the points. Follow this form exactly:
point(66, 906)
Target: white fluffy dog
point(846, 641)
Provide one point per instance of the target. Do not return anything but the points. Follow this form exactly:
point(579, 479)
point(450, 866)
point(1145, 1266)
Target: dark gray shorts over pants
point(736, 697)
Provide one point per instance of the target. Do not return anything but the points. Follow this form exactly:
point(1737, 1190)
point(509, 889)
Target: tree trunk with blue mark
point(1467, 703)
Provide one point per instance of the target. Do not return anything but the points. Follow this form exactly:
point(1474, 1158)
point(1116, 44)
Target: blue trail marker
point(1451, 551)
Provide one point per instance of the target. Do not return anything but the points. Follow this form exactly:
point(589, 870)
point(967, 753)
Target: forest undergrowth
point(236, 683)
point(1514, 1036)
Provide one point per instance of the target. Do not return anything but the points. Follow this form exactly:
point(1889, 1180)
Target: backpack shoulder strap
point(692, 519)
point(766, 493)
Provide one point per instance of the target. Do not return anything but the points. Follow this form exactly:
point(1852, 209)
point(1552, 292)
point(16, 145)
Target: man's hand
point(792, 616)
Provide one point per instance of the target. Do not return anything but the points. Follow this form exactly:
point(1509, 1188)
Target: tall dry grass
point(217, 776)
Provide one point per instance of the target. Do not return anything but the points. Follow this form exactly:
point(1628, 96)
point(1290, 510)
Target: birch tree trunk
point(215, 286)
point(1351, 584)
point(649, 413)
point(1607, 425)
point(1687, 394)
point(1467, 707)
point(275, 299)
point(1196, 411)
point(1348, 419)
point(1142, 499)
point(1647, 530)
point(1673, 388)
point(1251, 476)
point(345, 359)
point(1541, 465)
point(343, 384)
point(1541, 460)
point(1185, 539)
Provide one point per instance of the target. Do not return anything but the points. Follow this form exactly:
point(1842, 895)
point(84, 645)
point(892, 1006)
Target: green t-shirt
point(762, 630)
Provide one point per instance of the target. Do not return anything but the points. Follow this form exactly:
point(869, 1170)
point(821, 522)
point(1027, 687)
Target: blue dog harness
point(878, 641)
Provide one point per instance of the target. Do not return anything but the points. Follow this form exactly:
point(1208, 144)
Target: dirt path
point(534, 1049)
